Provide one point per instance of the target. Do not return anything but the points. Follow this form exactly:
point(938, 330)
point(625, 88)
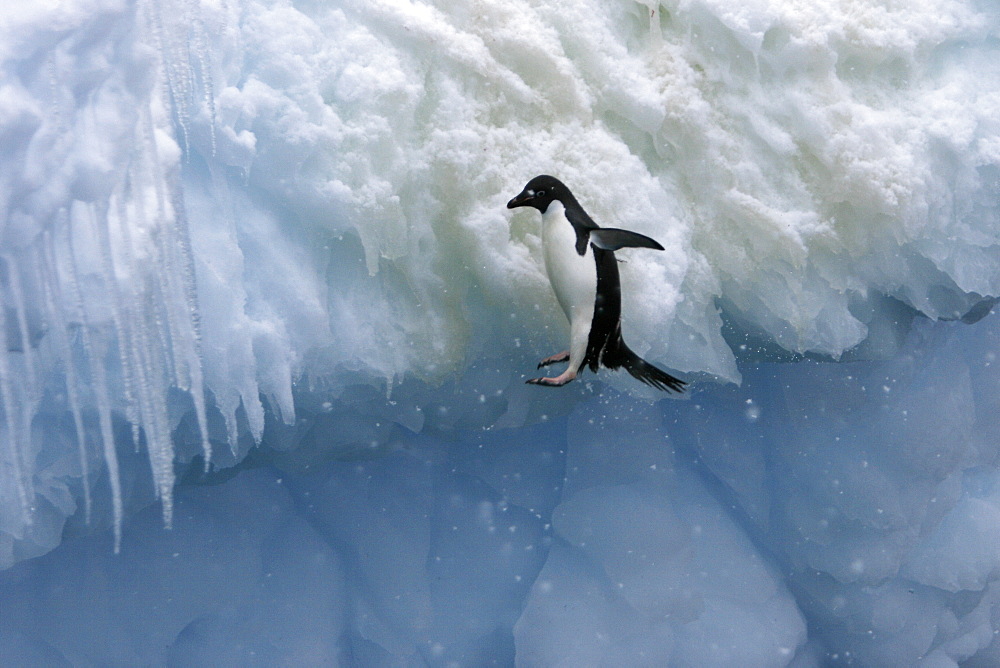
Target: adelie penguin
point(581, 264)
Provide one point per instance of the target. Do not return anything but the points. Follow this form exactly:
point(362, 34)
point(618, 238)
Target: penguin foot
point(558, 381)
point(554, 359)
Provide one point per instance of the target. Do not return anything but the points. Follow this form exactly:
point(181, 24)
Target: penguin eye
point(540, 193)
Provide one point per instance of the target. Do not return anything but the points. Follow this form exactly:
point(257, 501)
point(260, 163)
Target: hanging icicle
point(108, 271)
point(48, 278)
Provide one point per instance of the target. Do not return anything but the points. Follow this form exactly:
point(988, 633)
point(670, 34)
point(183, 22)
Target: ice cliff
point(255, 263)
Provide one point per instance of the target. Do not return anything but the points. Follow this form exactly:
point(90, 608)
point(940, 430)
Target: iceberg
point(267, 323)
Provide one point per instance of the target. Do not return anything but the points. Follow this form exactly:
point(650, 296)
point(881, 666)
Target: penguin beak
point(524, 199)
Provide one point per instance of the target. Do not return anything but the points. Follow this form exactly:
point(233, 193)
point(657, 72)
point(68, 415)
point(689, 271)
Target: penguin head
point(540, 192)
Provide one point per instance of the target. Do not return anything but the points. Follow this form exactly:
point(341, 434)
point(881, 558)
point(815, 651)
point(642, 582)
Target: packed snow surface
point(255, 264)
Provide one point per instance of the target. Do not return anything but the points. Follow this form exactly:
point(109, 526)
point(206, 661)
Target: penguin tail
point(642, 370)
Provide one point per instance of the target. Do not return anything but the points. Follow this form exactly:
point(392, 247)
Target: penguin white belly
point(573, 277)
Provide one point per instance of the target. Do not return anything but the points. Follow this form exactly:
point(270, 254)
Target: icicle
point(176, 86)
point(30, 380)
point(49, 280)
point(158, 441)
point(14, 444)
point(152, 394)
point(148, 283)
point(160, 308)
point(183, 310)
point(133, 345)
point(181, 38)
point(179, 268)
point(95, 368)
point(203, 56)
point(171, 300)
point(107, 434)
point(30, 384)
point(135, 337)
point(190, 300)
point(19, 394)
point(128, 373)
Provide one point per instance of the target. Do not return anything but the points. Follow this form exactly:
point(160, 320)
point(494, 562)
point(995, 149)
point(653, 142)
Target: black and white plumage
point(581, 264)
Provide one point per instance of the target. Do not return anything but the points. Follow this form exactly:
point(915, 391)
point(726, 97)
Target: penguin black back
point(605, 345)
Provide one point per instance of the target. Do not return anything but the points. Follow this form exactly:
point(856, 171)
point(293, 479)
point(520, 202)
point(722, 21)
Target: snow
point(255, 265)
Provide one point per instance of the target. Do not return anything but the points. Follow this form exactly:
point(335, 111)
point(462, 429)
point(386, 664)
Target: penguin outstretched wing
point(610, 238)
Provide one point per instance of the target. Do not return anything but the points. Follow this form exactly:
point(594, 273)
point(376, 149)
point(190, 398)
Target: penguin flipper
point(611, 238)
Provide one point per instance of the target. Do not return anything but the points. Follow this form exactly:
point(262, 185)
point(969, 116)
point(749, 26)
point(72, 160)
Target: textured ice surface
point(277, 228)
point(819, 514)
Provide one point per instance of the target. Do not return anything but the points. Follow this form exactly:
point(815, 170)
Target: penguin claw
point(549, 382)
point(554, 359)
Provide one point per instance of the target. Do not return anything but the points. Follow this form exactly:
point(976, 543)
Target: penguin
point(580, 261)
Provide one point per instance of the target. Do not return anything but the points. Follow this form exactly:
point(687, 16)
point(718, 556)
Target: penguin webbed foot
point(554, 359)
point(547, 382)
point(558, 381)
